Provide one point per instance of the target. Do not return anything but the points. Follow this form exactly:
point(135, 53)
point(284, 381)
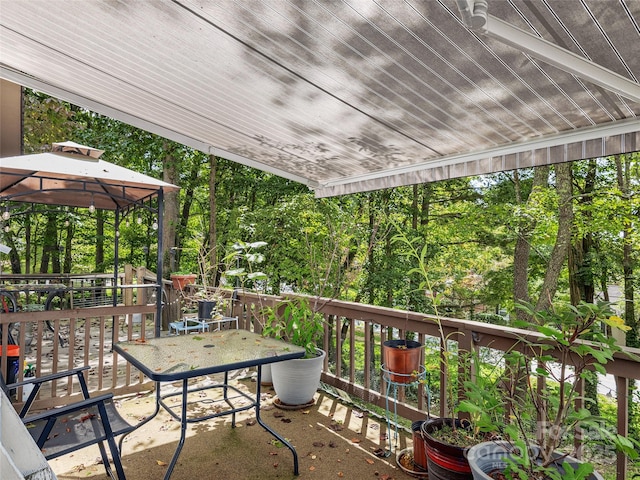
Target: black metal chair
point(59, 431)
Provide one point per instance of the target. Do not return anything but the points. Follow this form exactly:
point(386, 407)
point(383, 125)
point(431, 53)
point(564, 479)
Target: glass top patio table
point(186, 356)
point(183, 357)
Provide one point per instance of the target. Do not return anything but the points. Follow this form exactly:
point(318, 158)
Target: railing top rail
point(499, 337)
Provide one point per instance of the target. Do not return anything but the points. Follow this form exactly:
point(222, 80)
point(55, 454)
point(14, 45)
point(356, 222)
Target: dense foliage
point(565, 232)
point(472, 228)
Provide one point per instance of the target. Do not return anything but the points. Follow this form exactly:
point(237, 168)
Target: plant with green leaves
point(246, 256)
point(571, 340)
point(482, 403)
point(295, 321)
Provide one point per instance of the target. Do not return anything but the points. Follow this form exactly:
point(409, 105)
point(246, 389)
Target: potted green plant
point(212, 304)
point(181, 279)
point(571, 341)
point(402, 360)
point(242, 266)
point(294, 320)
point(447, 439)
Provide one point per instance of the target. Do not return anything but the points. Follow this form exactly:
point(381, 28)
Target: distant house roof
point(346, 96)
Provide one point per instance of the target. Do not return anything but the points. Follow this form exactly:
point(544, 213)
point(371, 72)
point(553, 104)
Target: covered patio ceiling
point(346, 96)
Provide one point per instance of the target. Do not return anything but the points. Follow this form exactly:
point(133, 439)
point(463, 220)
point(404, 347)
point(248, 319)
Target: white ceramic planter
point(487, 456)
point(296, 381)
point(266, 378)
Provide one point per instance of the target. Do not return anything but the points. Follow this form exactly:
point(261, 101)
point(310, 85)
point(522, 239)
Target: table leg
point(183, 429)
point(146, 420)
point(226, 398)
point(268, 429)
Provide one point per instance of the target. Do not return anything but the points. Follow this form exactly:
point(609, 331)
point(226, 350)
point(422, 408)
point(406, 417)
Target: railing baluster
point(372, 389)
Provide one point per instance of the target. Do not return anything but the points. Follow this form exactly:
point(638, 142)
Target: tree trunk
point(68, 247)
point(563, 238)
point(100, 266)
point(27, 244)
point(213, 233)
point(170, 216)
point(623, 168)
point(50, 247)
point(14, 257)
point(581, 286)
point(581, 277)
point(522, 248)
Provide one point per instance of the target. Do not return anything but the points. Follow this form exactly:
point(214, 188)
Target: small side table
point(415, 379)
point(187, 325)
point(218, 324)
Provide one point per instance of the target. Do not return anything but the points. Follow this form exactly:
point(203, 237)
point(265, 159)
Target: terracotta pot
point(402, 359)
point(181, 281)
point(419, 446)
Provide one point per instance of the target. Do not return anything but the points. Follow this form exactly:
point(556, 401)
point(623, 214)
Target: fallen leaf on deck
point(335, 427)
point(369, 461)
point(161, 463)
point(355, 440)
point(379, 452)
point(318, 444)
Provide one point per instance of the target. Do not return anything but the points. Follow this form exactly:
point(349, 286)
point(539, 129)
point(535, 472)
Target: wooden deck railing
point(60, 322)
point(373, 326)
point(354, 334)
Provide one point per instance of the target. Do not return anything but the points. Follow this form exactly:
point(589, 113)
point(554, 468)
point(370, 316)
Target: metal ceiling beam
point(574, 136)
point(561, 58)
point(475, 17)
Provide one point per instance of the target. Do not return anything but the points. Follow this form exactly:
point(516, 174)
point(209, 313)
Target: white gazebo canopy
point(74, 175)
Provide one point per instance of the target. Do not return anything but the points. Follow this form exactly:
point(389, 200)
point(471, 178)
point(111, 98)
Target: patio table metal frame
point(184, 357)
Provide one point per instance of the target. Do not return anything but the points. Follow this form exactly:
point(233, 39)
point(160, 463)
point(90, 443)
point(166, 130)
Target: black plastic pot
point(205, 307)
point(444, 461)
